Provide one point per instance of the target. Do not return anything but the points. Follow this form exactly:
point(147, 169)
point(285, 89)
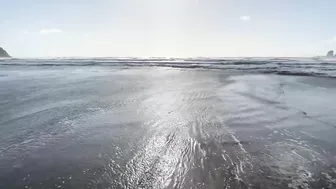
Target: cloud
point(42, 31)
point(50, 31)
point(245, 18)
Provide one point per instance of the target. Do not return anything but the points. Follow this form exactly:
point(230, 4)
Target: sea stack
point(330, 54)
point(3, 53)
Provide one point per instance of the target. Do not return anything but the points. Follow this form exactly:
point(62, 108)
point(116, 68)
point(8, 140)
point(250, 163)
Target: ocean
point(110, 123)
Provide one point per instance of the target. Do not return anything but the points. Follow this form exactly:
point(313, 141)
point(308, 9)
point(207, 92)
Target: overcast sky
point(169, 28)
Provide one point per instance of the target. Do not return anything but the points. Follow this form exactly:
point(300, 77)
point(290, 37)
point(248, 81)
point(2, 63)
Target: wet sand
point(151, 127)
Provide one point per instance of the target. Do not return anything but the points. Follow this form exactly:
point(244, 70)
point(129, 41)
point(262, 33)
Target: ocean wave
point(280, 66)
point(298, 73)
point(247, 62)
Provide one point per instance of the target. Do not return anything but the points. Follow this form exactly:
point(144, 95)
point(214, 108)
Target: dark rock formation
point(3, 53)
point(330, 54)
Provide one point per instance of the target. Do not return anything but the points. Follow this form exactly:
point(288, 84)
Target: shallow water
point(158, 127)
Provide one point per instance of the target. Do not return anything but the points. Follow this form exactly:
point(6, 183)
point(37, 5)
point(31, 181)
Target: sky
point(167, 28)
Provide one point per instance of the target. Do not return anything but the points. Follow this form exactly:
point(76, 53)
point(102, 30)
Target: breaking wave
point(282, 66)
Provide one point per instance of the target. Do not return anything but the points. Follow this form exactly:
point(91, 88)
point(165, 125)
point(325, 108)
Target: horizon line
point(157, 57)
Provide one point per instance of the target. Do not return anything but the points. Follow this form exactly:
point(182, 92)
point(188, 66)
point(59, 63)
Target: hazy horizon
point(159, 57)
point(175, 28)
